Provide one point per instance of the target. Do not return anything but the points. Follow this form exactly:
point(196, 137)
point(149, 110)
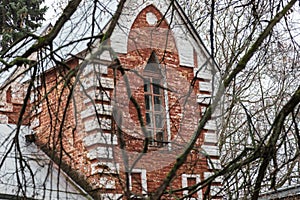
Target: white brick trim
point(17, 94)
point(107, 183)
point(110, 196)
point(203, 110)
point(211, 125)
point(105, 56)
point(106, 82)
point(100, 152)
point(210, 137)
point(101, 109)
point(3, 98)
point(96, 94)
point(90, 82)
point(8, 107)
point(185, 183)
point(3, 119)
point(203, 98)
point(94, 67)
point(105, 168)
point(209, 174)
point(94, 124)
point(35, 123)
point(214, 164)
point(214, 190)
point(167, 109)
point(204, 74)
point(205, 86)
point(211, 150)
point(100, 138)
point(143, 173)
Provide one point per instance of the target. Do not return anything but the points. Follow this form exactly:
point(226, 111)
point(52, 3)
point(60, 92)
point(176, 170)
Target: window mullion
point(154, 102)
point(153, 110)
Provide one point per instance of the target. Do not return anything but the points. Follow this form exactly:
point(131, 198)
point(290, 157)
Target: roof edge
point(77, 179)
point(193, 31)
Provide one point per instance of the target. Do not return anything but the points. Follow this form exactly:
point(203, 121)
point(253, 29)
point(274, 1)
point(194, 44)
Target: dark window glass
point(158, 121)
point(159, 136)
point(148, 103)
point(156, 86)
point(147, 85)
point(153, 92)
point(152, 67)
point(149, 134)
point(148, 120)
point(157, 103)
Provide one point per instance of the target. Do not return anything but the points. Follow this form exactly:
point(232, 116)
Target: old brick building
point(131, 109)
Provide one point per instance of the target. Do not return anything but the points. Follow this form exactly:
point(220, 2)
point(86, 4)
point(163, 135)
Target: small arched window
point(154, 101)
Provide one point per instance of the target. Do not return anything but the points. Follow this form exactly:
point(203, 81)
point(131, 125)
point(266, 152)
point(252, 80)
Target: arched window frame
point(154, 102)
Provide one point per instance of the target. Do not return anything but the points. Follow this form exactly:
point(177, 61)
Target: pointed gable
point(190, 48)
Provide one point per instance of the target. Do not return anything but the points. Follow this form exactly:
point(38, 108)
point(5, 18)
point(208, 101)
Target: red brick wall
point(68, 140)
point(136, 59)
point(12, 102)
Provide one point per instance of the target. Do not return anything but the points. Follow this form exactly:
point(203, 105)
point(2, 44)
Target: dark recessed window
point(154, 108)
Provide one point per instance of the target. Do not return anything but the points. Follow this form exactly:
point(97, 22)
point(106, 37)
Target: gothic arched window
point(154, 101)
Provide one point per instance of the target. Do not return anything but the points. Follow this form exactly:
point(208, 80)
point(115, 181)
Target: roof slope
point(89, 20)
point(40, 178)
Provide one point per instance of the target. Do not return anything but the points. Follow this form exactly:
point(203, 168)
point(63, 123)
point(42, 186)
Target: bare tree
point(255, 119)
point(256, 48)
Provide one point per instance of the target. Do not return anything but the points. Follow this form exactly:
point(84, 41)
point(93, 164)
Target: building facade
point(119, 124)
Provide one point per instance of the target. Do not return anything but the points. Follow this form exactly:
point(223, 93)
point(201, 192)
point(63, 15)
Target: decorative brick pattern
point(102, 82)
point(97, 125)
point(96, 94)
point(7, 108)
point(107, 183)
point(100, 153)
point(99, 109)
point(105, 168)
point(100, 138)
